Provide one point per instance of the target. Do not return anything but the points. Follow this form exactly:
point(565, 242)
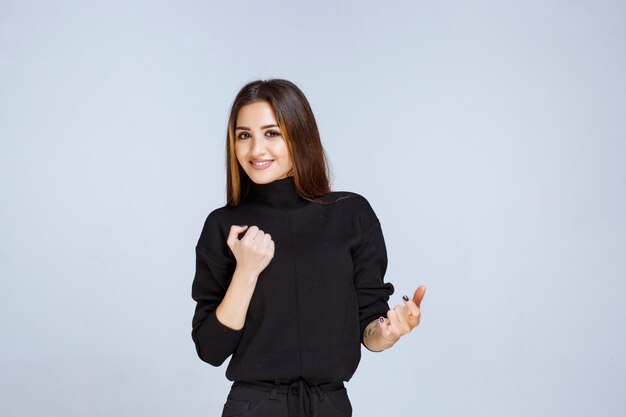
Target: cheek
point(240, 152)
point(281, 152)
point(242, 160)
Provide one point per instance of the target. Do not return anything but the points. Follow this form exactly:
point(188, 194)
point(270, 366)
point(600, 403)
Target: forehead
point(259, 113)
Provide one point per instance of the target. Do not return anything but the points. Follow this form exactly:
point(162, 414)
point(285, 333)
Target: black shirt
point(311, 304)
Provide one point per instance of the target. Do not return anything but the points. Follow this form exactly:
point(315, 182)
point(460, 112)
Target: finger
point(267, 242)
point(252, 234)
point(233, 234)
point(404, 325)
point(402, 313)
point(415, 316)
point(395, 326)
point(419, 295)
point(411, 308)
point(385, 327)
point(394, 321)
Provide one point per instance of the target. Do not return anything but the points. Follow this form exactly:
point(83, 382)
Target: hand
point(402, 320)
point(253, 251)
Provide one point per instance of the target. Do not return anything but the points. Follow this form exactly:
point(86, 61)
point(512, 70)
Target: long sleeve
point(214, 341)
point(370, 265)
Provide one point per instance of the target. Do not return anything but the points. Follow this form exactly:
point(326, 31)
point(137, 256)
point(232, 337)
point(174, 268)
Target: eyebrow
point(247, 128)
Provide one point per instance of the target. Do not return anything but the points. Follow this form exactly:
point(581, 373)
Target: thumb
point(419, 295)
point(234, 233)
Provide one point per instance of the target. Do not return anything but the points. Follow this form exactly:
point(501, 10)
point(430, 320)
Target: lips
point(261, 164)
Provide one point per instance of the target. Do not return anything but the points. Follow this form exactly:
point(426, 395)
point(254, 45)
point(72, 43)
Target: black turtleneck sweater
point(311, 304)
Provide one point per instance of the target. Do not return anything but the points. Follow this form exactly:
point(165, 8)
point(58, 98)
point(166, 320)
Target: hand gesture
point(402, 320)
point(253, 251)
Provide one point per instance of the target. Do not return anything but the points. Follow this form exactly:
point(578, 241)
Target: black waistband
point(299, 401)
point(283, 385)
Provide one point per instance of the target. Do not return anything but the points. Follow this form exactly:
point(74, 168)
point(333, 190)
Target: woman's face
point(258, 139)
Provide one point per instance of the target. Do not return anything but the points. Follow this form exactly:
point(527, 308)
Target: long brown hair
point(299, 130)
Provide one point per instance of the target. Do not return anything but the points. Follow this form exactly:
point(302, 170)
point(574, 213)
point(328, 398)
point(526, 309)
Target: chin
point(262, 177)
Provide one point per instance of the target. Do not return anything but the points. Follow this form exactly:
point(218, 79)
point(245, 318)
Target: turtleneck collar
point(281, 193)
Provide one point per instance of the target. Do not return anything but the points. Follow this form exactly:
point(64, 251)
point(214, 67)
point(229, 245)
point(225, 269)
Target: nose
point(258, 146)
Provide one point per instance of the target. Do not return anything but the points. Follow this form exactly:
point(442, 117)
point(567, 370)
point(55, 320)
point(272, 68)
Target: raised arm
point(223, 287)
point(216, 340)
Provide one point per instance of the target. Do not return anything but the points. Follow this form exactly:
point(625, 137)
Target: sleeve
point(370, 265)
point(214, 341)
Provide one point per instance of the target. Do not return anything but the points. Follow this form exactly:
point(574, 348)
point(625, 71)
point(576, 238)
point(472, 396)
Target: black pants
point(297, 398)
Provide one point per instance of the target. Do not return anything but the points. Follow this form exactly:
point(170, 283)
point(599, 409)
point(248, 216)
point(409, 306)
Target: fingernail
point(405, 298)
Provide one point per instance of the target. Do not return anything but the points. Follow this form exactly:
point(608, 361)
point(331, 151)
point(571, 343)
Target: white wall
point(489, 137)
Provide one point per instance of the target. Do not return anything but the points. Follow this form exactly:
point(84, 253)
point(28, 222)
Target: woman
point(289, 275)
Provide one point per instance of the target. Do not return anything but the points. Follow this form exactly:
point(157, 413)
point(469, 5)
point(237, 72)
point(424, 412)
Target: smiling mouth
point(262, 164)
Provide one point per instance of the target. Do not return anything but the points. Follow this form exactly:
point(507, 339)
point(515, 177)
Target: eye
point(241, 134)
point(273, 133)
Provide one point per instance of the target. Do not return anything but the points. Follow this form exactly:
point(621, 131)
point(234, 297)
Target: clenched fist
point(253, 251)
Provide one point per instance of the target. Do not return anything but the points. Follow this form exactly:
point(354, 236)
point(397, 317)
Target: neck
point(281, 193)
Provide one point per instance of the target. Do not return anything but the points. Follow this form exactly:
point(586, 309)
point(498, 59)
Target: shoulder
point(356, 206)
point(215, 230)
point(219, 214)
point(349, 198)
point(354, 199)
point(215, 219)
